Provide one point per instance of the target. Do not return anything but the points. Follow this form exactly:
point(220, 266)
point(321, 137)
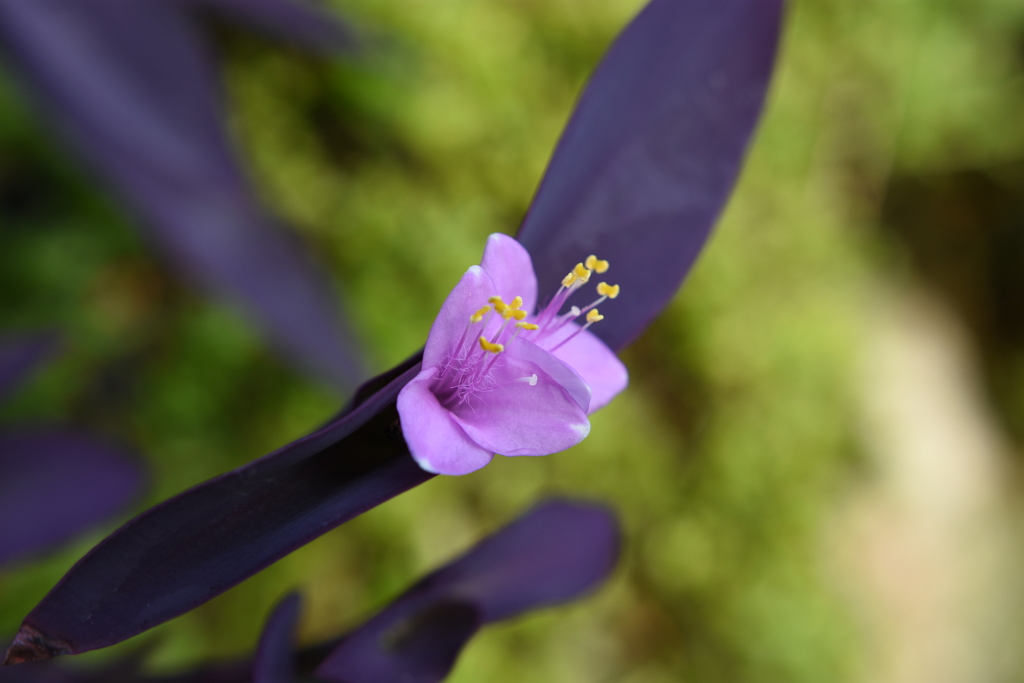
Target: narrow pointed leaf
point(275, 652)
point(55, 484)
point(417, 648)
point(198, 544)
point(650, 154)
point(554, 553)
point(133, 87)
point(20, 355)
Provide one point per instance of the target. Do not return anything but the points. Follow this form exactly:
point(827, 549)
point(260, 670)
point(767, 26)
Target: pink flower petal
point(527, 412)
point(571, 380)
point(435, 440)
point(509, 265)
point(469, 296)
point(598, 365)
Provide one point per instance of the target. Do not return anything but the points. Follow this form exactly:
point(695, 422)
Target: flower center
point(467, 370)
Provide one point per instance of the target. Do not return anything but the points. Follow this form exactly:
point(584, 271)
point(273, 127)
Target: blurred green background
point(766, 510)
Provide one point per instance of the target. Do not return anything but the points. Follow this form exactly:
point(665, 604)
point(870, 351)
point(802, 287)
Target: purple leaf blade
point(192, 547)
point(414, 648)
point(55, 484)
point(652, 150)
point(554, 553)
point(133, 88)
point(274, 654)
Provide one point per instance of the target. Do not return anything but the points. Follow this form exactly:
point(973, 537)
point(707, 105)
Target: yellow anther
point(508, 312)
point(479, 315)
point(605, 289)
point(516, 303)
point(527, 326)
point(596, 264)
point(568, 280)
point(488, 346)
point(519, 315)
point(583, 274)
point(498, 304)
point(593, 316)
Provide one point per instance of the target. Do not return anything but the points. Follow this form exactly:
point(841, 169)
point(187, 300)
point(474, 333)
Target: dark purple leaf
point(417, 648)
point(274, 654)
point(554, 553)
point(54, 484)
point(198, 544)
point(132, 85)
point(20, 355)
point(370, 387)
point(639, 176)
point(648, 158)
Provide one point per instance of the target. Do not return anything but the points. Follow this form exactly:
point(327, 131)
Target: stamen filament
point(569, 338)
point(497, 334)
point(598, 301)
point(529, 327)
point(574, 312)
point(479, 316)
point(552, 309)
point(592, 318)
point(562, 321)
point(462, 340)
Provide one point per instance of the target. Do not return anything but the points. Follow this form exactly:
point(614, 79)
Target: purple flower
point(642, 171)
point(501, 378)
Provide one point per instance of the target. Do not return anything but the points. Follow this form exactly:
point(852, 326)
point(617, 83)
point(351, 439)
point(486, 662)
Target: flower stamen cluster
point(466, 371)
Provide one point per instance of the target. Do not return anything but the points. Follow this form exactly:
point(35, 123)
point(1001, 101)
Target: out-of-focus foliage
point(730, 453)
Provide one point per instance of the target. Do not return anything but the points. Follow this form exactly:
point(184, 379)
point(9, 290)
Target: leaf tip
point(32, 646)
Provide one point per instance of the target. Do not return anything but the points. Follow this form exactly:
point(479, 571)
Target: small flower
point(500, 378)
